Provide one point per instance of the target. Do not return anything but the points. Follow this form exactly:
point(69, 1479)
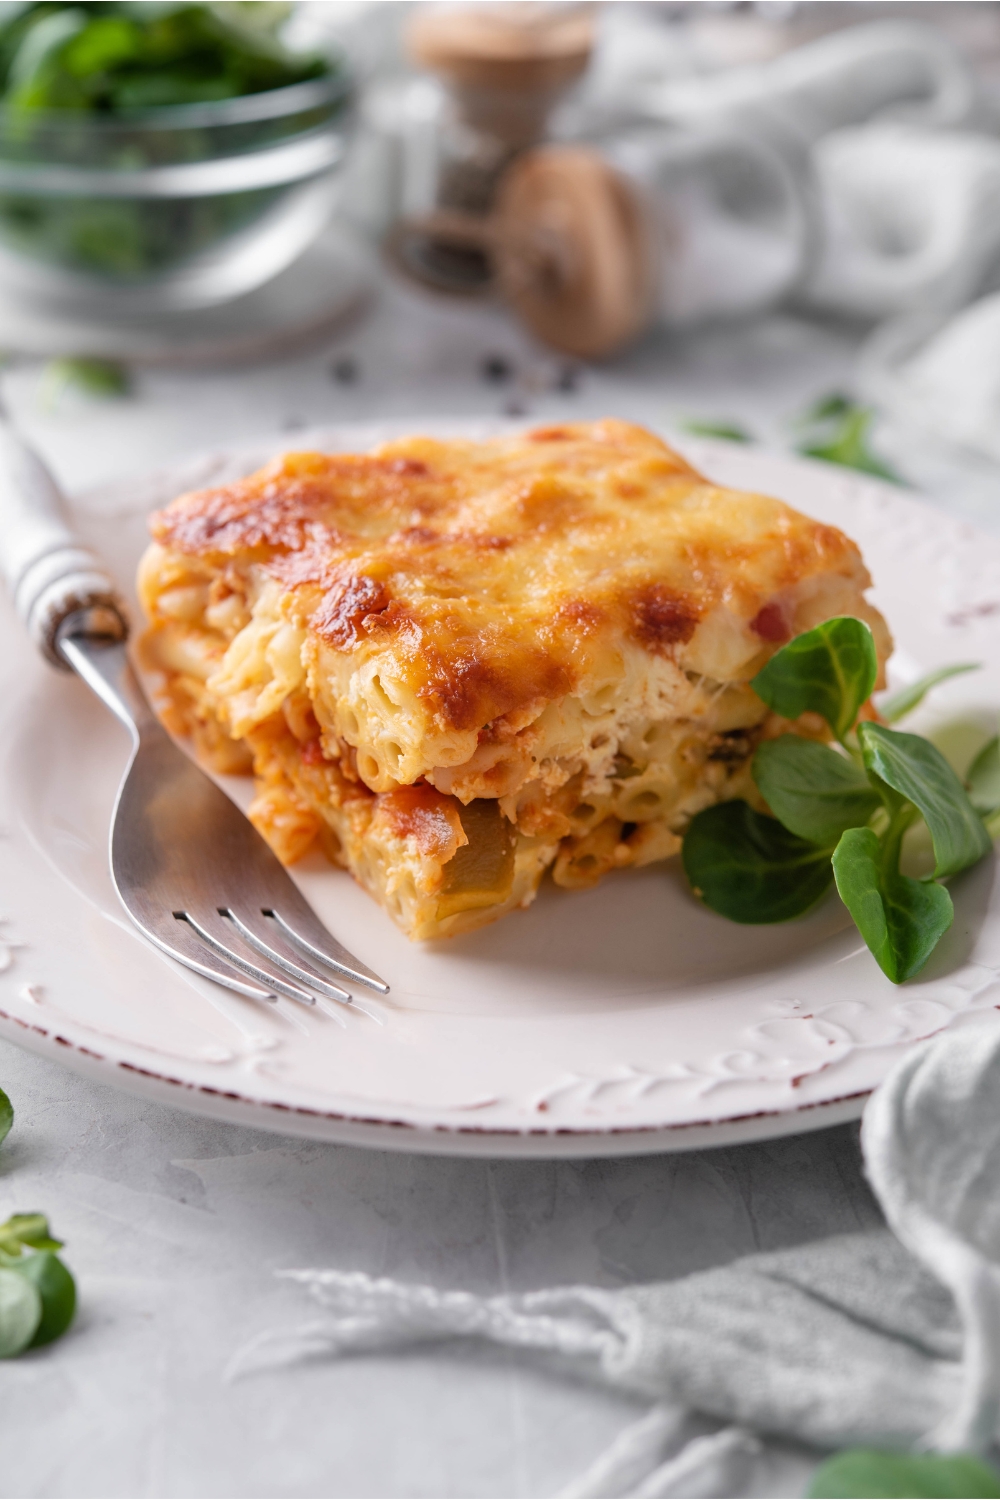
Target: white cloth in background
point(938, 379)
point(905, 204)
point(871, 193)
point(883, 1338)
point(911, 219)
point(883, 219)
point(903, 68)
point(722, 252)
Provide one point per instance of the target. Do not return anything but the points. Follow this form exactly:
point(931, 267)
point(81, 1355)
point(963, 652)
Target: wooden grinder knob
point(573, 250)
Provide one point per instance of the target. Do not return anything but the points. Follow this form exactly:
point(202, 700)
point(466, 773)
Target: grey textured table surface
point(175, 1226)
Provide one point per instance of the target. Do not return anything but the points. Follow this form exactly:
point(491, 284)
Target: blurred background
point(769, 222)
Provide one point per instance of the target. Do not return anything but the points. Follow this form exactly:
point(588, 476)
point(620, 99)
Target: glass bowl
point(174, 208)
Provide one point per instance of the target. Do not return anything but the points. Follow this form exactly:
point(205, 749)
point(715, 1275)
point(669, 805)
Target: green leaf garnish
point(873, 1474)
point(918, 772)
point(752, 868)
point(829, 671)
point(730, 432)
point(983, 779)
point(749, 868)
point(111, 58)
point(68, 71)
point(102, 378)
point(6, 1115)
point(812, 790)
point(836, 404)
point(27, 1253)
point(27, 1231)
point(20, 1312)
point(57, 1290)
point(897, 705)
point(836, 430)
point(900, 919)
point(36, 61)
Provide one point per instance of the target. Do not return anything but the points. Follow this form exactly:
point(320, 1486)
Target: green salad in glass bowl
point(160, 155)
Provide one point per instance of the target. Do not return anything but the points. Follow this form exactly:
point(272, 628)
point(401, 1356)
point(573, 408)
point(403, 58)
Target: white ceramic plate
point(623, 1019)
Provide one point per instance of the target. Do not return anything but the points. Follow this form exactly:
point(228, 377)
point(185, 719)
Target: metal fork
point(192, 872)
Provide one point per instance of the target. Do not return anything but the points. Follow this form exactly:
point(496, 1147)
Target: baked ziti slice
point(458, 664)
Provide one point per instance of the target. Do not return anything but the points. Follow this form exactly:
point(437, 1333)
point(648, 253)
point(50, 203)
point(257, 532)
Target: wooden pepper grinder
point(574, 250)
point(556, 229)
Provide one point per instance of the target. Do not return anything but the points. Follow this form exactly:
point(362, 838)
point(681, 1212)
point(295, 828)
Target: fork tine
point(208, 924)
point(188, 949)
point(306, 931)
point(272, 946)
point(179, 845)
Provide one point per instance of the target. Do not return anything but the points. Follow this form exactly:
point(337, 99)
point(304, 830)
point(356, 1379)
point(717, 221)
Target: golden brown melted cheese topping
point(491, 571)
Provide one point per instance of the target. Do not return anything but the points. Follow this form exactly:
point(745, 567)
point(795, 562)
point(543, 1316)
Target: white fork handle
point(50, 574)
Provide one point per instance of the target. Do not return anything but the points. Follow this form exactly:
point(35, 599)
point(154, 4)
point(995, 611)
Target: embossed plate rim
point(582, 1113)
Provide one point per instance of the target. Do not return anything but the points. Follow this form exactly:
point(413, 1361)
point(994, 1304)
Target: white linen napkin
point(890, 199)
point(885, 1338)
point(901, 68)
point(910, 219)
point(904, 204)
point(939, 377)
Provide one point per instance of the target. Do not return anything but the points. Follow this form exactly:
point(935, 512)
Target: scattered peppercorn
point(345, 371)
point(496, 369)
